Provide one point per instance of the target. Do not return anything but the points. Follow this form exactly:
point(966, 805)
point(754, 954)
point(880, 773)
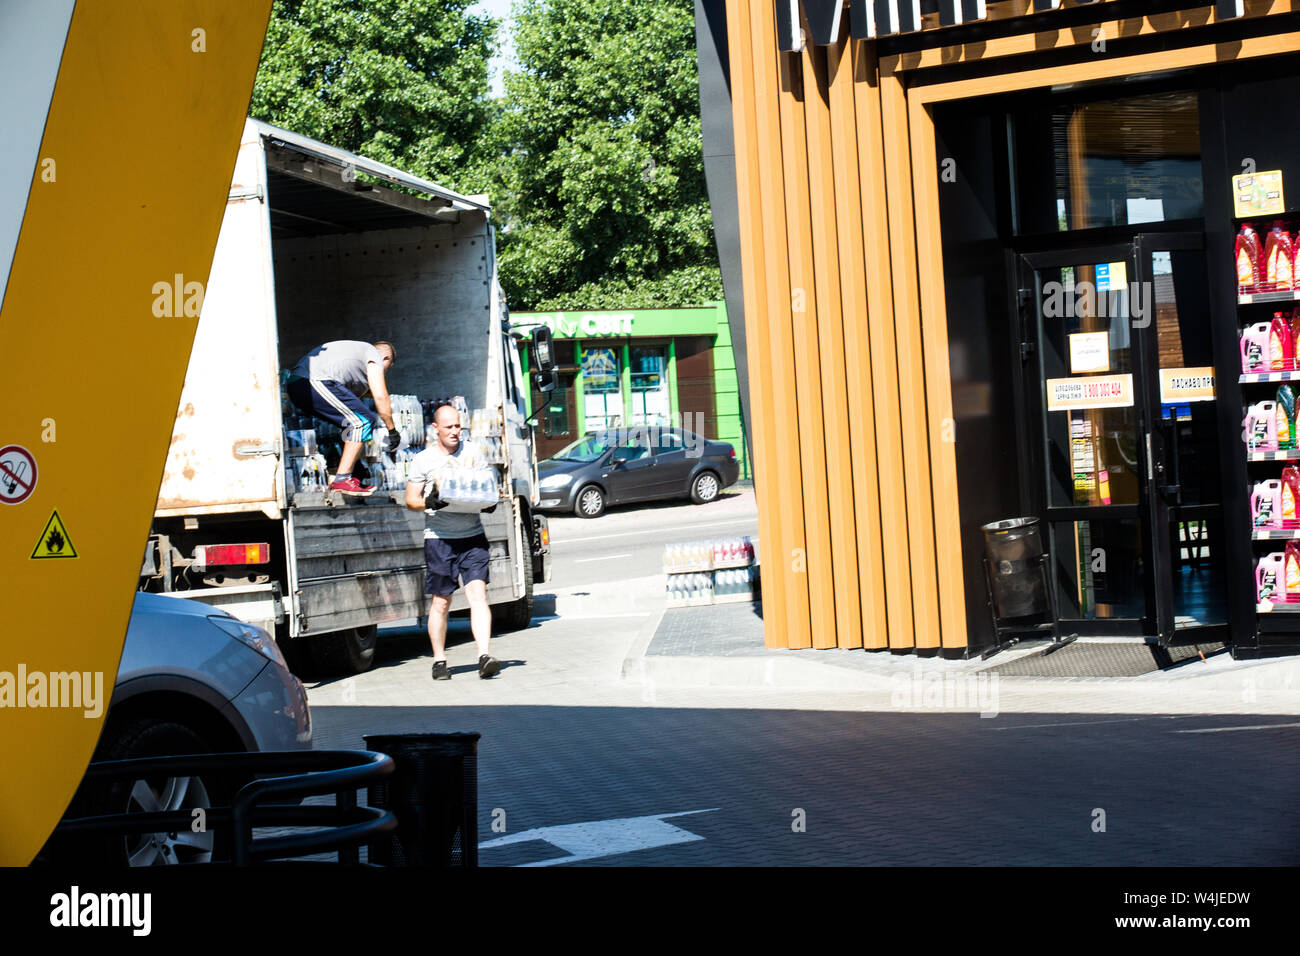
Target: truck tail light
point(213, 555)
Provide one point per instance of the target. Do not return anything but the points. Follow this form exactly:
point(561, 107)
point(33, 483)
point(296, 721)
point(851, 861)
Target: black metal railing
point(341, 828)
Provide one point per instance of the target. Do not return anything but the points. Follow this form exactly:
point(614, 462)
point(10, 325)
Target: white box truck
point(318, 244)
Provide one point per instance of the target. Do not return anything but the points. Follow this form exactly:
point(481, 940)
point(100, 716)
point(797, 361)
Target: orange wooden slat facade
point(838, 177)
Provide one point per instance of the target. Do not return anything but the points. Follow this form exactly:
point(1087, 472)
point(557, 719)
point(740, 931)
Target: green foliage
point(593, 158)
point(401, 81)
point(602, 190)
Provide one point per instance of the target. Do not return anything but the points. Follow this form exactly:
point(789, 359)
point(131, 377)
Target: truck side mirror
point(543, 351)
point(545, 382)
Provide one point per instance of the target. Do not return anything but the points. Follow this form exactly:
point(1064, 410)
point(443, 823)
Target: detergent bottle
point(1285, 412)
point(1279, 259)
point(1266, 507)
point(1272, 246)
point(1268, 577)
point(1261, 427)
point(1281, 344)
point(1291, 572)
point(1247, 254)
point(1254, 347)
point(1289, 498)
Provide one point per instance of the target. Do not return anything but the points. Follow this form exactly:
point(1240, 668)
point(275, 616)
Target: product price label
point(1181, 385)
point(1091, 391)
point(1258, 194)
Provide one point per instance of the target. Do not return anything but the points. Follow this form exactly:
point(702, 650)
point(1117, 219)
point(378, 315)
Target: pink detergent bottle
point(1268, 577)
point(1266, 504)
point(1254, 347)
point(1261, 427)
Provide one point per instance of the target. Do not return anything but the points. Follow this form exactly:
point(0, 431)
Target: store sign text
point(1094, 391)
point(1181, 385)
point(878, 18)
point(611, 323)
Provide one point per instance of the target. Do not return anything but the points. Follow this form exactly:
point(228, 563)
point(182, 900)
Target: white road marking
point(600, 838)
point(1074, 723)
point(584, 617)
point(629, 534)
point(1219, 730)
point(608, 557)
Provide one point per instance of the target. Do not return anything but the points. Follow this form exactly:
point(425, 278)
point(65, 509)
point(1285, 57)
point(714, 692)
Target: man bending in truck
point(455, 547)
point(327, 383)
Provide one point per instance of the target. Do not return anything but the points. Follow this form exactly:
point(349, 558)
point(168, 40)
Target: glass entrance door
point(1099, 335)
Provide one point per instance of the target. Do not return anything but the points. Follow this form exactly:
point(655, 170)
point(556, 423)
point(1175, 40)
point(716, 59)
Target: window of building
point(651, 404)
point(1114, 162)
point(602, 392)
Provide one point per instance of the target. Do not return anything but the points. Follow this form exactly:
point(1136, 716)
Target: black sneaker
point(440, 671)
point(487, 665)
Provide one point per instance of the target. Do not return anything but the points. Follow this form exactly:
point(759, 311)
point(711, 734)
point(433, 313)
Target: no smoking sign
point(17, 474)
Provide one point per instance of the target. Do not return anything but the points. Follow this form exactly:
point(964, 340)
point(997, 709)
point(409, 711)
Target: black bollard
point(433, 792)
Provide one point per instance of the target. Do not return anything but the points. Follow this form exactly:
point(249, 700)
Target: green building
point(640, 367)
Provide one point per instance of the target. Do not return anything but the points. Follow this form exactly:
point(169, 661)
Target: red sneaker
point(351, 486)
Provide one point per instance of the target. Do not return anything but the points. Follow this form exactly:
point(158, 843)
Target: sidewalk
point(722, 647)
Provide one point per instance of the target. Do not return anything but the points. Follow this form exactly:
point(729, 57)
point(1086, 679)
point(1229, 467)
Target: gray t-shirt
point(431, 465)
point(343, 362)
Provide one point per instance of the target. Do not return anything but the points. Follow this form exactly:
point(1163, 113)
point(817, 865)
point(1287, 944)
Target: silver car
point(192, 679)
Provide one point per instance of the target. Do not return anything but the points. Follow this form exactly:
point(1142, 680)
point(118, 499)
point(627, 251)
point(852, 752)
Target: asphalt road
point(628, 542)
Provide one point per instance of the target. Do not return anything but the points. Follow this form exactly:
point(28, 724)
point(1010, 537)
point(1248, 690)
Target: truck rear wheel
point(345, 652)
point(517, 615)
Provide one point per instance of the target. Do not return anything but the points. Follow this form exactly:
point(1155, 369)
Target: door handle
point(1151, 477)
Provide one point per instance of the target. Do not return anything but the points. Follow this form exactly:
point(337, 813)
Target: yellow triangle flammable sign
point(55, 541)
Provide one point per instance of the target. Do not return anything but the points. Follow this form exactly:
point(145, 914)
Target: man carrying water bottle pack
point(455, 547)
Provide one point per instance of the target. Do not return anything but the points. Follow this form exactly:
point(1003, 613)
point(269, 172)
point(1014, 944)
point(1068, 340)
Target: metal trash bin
point(1014, 548)
point(433, 792)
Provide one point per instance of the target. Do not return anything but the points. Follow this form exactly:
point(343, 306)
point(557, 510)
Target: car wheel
point(345, 652)
point(158, 737)
point(590, 502)
point(705, 487)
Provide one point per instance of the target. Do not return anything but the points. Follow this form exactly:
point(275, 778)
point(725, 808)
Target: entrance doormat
point(1084, 660)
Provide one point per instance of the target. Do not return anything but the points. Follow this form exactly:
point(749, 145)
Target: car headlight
point(251, 636)
point(555, 481)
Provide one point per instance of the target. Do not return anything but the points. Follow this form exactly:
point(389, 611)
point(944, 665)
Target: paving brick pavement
point(1191, 767)
point(897, 789)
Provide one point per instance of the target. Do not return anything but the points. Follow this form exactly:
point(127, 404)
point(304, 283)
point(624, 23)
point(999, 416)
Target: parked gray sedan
point(643, 463)
point(192, 679)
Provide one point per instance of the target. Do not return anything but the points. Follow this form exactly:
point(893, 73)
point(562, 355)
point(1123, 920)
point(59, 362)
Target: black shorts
point(450, 561)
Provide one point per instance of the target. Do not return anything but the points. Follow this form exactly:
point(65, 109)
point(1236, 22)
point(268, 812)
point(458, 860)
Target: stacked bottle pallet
point(724, 571)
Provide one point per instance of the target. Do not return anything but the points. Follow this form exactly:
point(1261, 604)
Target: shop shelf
point(1275, 534)
point(1286, 295)
point(1281, 607)
point(1290, 454)
point(1246, 378)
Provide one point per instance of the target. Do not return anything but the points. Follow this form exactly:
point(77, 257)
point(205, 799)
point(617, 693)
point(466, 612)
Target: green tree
point(401, 81)
point(602, 191)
